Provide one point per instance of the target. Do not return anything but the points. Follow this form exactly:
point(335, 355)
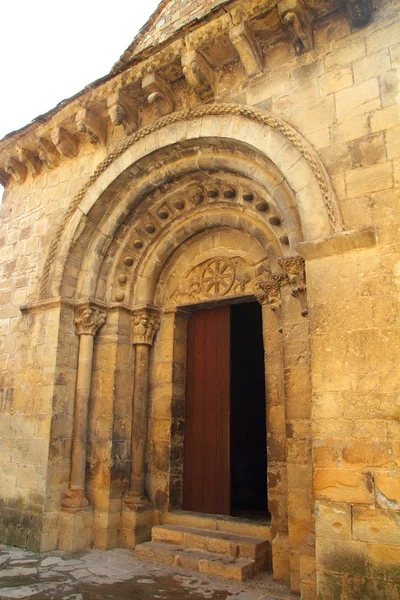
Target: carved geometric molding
point(30, 160)
point(65, 142)
point(359, 11)
point(48, 153)
point(91, 126)
point(248, 49)
point(296, 20)
point(122, 110)
point(159, 93)
point(198, 74)
point(16, 169)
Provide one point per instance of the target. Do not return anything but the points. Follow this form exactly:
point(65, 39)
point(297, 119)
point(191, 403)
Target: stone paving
point(117, 575)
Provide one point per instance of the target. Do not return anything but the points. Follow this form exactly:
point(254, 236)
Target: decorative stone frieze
point(16, 169)
point(30, 160)
point(294, 266)
point(48, 153)
point(123, 111)
point(89, 319)
point(248, 49)
point(359, 11)
point(295, 18)
point(92, 126)
point(144, 327)
point(268, 292)
point(198, 74)
point(158, 92)
point(65, 142)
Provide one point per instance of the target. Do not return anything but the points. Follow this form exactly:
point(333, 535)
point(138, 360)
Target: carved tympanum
point(88, 320)
point(144, 327)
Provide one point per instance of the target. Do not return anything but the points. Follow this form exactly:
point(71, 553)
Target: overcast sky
point(51, 50)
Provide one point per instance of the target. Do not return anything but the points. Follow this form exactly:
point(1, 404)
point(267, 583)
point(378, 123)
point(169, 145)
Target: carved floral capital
point(145, 324)
point(89, 320)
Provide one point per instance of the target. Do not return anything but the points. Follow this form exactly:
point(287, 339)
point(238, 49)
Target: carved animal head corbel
point(65, 142)
point(158, 92)
point(123, 111)
point(295, 18)
point(359, 11)
point(248, 49)
point(47, 153)
point(16, 169)
point(30, 160)
point(91, 126)
point(198, 74)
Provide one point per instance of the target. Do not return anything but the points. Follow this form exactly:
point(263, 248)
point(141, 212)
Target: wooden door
point(206, 479)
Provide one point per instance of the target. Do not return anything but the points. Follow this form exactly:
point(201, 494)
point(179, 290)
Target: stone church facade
point(242, 158)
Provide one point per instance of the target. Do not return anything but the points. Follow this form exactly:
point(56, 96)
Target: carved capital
point(268, 292)
point(16, 169)
point(92, 126)
point(198, 74)
point(65, 142)
point(294, 266)
point(123, 111)
point(359, 11)
point(145, 324)
point(89, 320)
point(48, 153)
point(158, 92)
point(248, 49)
point(295, 18)
point(30, 160)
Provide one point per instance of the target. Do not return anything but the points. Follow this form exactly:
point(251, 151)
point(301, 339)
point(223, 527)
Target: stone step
point(227, 567)
point(227, 524)
point(217, 542)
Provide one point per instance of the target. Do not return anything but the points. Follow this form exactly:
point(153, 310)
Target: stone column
point(88, 321)
point(145, 323)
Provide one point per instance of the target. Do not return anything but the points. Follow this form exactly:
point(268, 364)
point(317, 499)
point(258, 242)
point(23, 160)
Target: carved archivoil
point(48, 153)
point(144, 327)
point(294, 266)
point(65, 142)
point(92, 126)
point(268, 292)
point(16, 169)
point(248, 49)
point(30, 160)
point(158, 92)
point(296, 20)
point(89, 320)
point(198, 74)
point(123, 111)
point(359, 11)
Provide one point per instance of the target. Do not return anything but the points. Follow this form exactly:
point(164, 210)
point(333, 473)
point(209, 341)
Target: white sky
point(50, 50)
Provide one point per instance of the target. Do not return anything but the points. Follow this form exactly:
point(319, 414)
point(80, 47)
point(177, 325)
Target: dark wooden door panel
point(206, 483)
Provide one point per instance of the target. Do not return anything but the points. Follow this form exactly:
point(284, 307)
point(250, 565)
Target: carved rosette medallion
point(144, 327)
point(89, 320)
point(217, 278)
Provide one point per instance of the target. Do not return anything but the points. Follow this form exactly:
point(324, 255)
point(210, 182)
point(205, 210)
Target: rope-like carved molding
point(203, 111)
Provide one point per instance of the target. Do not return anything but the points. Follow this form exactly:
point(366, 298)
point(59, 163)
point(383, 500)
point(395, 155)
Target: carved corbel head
point(65, 142)
point(30, 160)
point(92, 126)
point(198, 74)
point(248, 49)
point(16, 169)
point(47, 153)
point(295, 18)
point(294, 267)
point(123, 112)
point(158, 92)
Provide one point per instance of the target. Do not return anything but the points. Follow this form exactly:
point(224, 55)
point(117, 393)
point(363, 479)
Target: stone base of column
point(136, 524)
point(281, 558)
point(75, 529)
